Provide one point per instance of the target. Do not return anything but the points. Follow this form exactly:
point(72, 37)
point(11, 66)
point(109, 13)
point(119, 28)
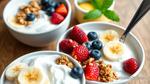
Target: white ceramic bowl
point(79, 12)
point(31, 56)
point(131, 41)
point(38, 39)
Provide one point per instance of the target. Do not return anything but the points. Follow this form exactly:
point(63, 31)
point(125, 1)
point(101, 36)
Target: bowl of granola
point(43, 67)
point(37, 22)
point(103, 57)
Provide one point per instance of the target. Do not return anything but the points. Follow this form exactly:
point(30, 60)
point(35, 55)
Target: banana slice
point(32, 75)
point(114, 50)
point(12, 22)
point(13, 71)
point(109, 35)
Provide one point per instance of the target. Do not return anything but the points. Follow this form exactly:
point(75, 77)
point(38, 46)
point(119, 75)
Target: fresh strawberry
point(56, 18)
point(80, 53)
point(78, 35)
point(67, 45)
point(61, 9)
point(91, 71)
point(130, 65)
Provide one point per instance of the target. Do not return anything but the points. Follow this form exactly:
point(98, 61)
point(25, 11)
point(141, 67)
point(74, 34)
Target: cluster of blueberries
point(49, 6)
point(94, 45)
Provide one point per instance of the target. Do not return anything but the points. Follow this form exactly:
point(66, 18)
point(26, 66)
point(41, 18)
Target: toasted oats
point(64, 61)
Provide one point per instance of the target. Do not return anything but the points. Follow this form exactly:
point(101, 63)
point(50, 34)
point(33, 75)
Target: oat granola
point(65, 61)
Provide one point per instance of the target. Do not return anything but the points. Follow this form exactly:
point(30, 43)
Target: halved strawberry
point(78, 35)
point(56, 18)
point(61, 9)
point(91, 71)
point(80, 53)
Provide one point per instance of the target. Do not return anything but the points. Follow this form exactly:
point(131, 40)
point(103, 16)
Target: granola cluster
point(32, 7)
point(64, 61)
point(106, 74)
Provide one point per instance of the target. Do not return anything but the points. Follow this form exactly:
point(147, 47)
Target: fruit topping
point(91, 71)
point(80, 53)
point(67, 45)
point(50, 11)
point(130, 66)
point(30, 17)
point(76, 72)
point(44, 2)
point(109, 35)
point(56, 18)
point(78, 35)
point(97, 44)
point(61, 9)
point(114, 50)
point(95, 54)
point(92, 36)
point(13, 71)
point(88, 45)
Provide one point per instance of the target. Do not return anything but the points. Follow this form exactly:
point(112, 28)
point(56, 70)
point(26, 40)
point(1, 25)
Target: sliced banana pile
point(21, 73)
point(13, 71)
point(114, 50)
point(109, 35)
point(32, 75)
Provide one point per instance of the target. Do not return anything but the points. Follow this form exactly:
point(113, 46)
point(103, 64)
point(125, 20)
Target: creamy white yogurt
point(42, 24)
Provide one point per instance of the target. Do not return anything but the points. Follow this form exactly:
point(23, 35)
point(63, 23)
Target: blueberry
point(44, 2)
point(92, 36)
point(50, 11)
point(30, 17)
point(96, 54)
point(88, 45)
point(55, 4)
point(96, 44)
point(76, 72)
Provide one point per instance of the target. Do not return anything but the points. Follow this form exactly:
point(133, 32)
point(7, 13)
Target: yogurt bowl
point(80, 12)
point(41, 31)
point(47, 64)
point(132, 49)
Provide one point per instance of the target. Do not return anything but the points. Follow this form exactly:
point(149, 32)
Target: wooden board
point(10, 48)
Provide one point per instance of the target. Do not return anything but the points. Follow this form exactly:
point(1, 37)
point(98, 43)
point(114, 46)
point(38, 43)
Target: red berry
point(91, 71)
point(56, 18)
point(67, 45)
point(78, 35)
point(130, 65)
point(61, 9)
point(80, 53)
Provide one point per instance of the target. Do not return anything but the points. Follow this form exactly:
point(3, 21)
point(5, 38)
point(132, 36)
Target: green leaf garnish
point(97, 3)
point(111, 15)
point(106, 4)
point(93, 14)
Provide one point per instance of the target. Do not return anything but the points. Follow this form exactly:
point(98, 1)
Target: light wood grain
point(10, 48)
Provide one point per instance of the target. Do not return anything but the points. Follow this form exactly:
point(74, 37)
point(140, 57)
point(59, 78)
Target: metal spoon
point(142, 10)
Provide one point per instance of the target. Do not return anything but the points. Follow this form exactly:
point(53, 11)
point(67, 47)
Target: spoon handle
point(142, 10)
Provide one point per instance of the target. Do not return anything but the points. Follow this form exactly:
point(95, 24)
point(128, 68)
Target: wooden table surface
point(10, 48)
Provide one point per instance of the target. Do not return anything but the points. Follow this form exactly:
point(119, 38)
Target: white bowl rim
point(38, 52)
point(120, 27)
point(38, 33)
point(84, 11)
